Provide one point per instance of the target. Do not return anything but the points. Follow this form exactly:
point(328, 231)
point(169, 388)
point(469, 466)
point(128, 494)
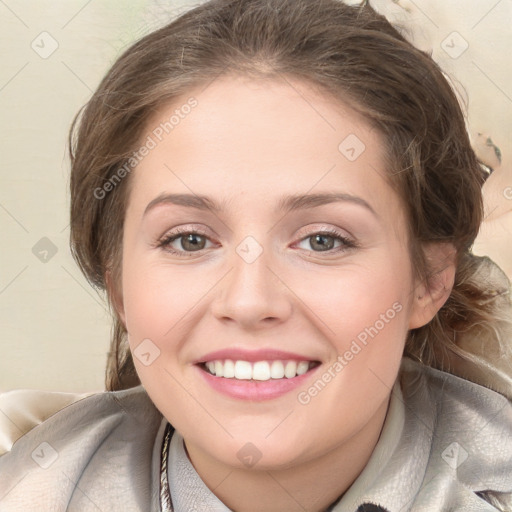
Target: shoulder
point(86, 441)
point(455, 398)
point(32, 412)
point(443, 384)
point(470, 431)
point(21, 410)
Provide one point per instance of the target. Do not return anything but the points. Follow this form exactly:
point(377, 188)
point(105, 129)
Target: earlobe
point(431, 293)
point(115, 295)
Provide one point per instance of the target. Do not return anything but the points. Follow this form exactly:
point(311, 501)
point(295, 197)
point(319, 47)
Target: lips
point(254, 383)
point(260, 365)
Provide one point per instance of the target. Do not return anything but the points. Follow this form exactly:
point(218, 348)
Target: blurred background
point(54, 328)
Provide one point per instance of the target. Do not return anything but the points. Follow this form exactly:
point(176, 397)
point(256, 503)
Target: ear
point(431, 293)
point(115, 295)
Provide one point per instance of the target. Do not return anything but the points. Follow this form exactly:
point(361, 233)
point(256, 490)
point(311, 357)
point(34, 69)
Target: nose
point(252, 295)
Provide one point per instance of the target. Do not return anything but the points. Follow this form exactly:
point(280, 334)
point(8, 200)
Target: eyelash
point(164, 242)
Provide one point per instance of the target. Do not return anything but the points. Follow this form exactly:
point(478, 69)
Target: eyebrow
point(285, 204)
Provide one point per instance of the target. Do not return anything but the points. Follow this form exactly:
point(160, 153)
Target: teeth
point(260, 370)
point(290, 370)
point(243, 370)
point(229, 369)
point(219, 369)
point(277, 370)
point(302, 367)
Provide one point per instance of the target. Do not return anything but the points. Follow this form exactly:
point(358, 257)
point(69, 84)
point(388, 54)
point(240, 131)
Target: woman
point(280, 198)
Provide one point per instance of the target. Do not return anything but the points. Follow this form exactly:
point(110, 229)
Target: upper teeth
point(260, 370)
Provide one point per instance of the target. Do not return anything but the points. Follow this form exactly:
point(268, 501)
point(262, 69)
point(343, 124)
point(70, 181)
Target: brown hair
point(351, 53)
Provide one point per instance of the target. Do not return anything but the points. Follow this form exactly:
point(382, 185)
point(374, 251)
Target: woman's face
point(260, 229)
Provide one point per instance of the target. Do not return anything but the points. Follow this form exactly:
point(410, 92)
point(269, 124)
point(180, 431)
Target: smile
point(258, 370)
point(258, 380)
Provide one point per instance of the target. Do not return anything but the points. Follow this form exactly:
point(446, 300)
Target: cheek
point(364, 313)
point(354, 298)
point(163, 301)
point(152, 301)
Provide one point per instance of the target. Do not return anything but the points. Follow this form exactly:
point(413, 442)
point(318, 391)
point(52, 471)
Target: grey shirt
point(446, 445)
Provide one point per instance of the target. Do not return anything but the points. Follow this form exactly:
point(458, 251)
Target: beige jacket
point(446, 445)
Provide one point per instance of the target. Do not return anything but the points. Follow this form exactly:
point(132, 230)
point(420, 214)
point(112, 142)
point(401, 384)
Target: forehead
point(248, 115)
point(249, 140)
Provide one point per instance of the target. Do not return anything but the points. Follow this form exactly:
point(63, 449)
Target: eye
point(182, 241)
point(185, 242)
point(328, 241)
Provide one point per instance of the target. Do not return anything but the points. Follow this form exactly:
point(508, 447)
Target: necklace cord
point(165, 493)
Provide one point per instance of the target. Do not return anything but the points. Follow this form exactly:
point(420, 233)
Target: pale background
point(54, 328)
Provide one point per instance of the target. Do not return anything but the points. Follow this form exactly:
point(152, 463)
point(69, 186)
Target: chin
point(261, 455)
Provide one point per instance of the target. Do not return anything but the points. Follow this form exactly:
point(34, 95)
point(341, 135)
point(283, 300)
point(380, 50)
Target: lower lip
point(255, 390)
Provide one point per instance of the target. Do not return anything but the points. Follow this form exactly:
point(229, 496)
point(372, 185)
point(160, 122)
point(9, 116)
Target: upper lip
point(239, 354)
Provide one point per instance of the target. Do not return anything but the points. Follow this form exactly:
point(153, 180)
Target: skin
point(247, 144)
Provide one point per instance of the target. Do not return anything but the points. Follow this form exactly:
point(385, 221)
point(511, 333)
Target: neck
point(312, 485)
